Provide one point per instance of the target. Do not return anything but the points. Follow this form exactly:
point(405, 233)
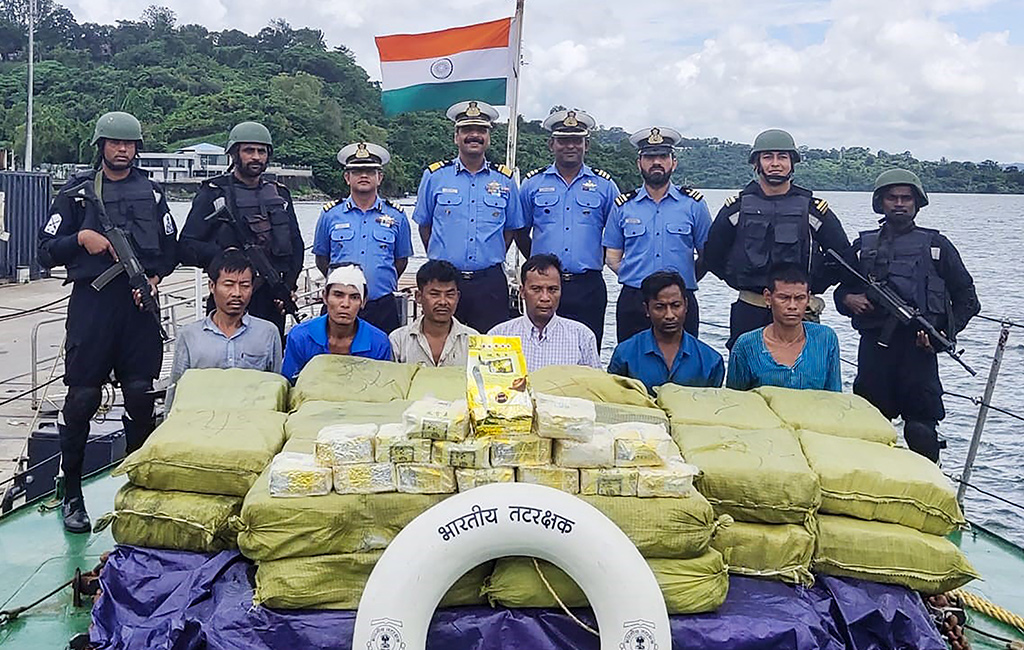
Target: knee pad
point(138, 398)
point(923, 438)
point(81, 404)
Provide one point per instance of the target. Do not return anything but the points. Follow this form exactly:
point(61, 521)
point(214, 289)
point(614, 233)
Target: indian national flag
point(437, 69)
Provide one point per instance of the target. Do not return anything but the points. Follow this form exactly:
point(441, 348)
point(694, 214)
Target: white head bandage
point(350, 275)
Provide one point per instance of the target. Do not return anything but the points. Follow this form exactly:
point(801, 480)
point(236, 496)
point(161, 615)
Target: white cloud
point(884, 74)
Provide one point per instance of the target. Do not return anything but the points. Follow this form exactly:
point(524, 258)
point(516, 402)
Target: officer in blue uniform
point(367, 230)
point(653, 228)
point(467, 210)
point(567, 204)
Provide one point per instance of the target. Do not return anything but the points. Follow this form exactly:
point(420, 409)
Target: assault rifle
point(903, 314)
point(256, 255)
point(127, 261)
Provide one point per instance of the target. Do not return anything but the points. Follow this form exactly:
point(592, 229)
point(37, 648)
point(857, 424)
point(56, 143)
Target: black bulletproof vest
point(264, 210)
point(769, 232)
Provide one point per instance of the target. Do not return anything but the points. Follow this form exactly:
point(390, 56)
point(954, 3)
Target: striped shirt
point(562, 342)
point(751, 364)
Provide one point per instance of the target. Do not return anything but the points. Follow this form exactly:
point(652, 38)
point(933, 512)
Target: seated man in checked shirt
point(789, 352)
point(548, 339)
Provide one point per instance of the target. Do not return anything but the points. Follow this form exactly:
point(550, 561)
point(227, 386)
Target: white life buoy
point(499, 520)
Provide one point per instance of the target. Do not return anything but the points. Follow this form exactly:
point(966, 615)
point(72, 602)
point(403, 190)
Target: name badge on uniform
point(343, 225)
point(589, 186)
point(449, 190)
point(632, 220)
point(494, 187)
point(545, 189)
point(386, 220)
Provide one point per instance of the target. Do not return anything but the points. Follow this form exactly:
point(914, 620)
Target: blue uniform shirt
point(696, 363)
point(373, 239)
point(568, 220)
point(658, 236)
point(468, 213)
point(751, 364)
point(308, 339)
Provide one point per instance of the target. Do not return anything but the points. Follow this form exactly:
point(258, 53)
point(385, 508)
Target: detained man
point(645, 356)
point(228, 337)
point(788, 352)
point(548, 339)
point(340, 330)
point(436, 338)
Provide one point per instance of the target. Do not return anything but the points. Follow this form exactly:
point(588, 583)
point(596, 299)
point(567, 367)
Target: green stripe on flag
point(442, 95)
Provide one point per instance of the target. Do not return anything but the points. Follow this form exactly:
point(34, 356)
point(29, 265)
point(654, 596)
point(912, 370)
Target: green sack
point(210, 452)
point(837, 414)
point(689, 586)
point(618, 413)
point(344, 378)
point(337, 582)
point(880, 552)
point(209, 389)
point(773, 551)
point(590, 383)
point(446, 383)
point(307, 421)
point(872, 481)
point(759, 476)
point(182, 521)
point(717, 407)
point(671, 528)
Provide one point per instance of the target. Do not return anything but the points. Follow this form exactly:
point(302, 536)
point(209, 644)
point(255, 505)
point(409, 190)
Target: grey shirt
point(256, 345)
point(409, 345)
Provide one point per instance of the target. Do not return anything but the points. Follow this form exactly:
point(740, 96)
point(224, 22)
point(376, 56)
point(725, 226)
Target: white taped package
point(521, 451)
point(560, 478)
point(675, 479)
point(642, 444)
point(564, 418)
point(364, 478)
point(344, 444)
point(417, 478)
point(613, 482)
point(599, 451)
point(467, 479)
point(436, 419)
point(393, 445)
point(470, 454)
point(298, 475)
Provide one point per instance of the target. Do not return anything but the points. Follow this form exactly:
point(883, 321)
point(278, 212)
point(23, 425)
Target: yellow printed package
point(344, 444)
point(642, 444)
point(471, 454)
point(613, 482)
point(298, 475)
point(675, 479)
point(364, 478)
point(560, 478)
point(393, 445)
point(565, 418)
point(524, 451)
point(599, 451)
point(436, 419)
point(425, 479)
point(467, 479)
point(497, 387)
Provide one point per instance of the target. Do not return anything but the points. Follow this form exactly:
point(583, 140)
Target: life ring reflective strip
point(500, 520)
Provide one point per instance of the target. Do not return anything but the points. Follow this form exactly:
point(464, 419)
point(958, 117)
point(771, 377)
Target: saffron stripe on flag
point(423, 97)
point(463, 66)
point(431, 45)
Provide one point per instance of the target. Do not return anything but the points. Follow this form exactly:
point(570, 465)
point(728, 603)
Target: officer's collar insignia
point(655, 136)
point(362, 151)
point(590, 186)
point(494, 187)
point(473, 110)
point(570, 119)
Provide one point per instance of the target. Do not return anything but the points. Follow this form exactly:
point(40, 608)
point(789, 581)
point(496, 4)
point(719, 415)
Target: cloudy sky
point(936, 77)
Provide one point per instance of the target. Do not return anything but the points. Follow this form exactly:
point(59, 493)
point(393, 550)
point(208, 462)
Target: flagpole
point(513, 112)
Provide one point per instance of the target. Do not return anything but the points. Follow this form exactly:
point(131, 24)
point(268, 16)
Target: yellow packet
point(498, 390)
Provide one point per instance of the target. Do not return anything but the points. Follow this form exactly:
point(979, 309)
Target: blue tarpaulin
point(173, 600)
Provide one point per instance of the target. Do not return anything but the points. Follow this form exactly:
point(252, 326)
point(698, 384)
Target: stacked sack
point(884, 510)
point(188, 479)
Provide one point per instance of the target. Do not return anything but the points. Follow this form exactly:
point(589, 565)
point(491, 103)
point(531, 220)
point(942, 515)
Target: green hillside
point(187, 84)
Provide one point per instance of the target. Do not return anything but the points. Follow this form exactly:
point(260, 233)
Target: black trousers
point(106, 333)
point(382, 313)
point(585, 299)
point(744, 317)
point(631, 317)
point(484, 298)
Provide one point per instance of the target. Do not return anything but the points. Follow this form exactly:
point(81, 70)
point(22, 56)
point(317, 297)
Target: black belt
point(569, 277)
point(469, 275)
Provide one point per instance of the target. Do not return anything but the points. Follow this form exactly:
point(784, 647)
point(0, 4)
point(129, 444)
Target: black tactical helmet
point(898, 177)
point(774, 140)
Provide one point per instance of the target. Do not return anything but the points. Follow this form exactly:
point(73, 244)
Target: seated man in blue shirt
point(646, 355)
point(788, 352)
point(340, 330)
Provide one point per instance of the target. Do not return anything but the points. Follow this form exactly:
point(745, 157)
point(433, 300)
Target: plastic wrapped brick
point(599, 451)
point(393, 445)
point(470, 454)
point(521, 451)
point(613, 482)
point(436, 419)
point(364, 478)
point(641, 444)
point(675, 479)
point(467, 479)
point(425, 479)
point(298, 475)
point(564, 418)
point(344, 444)
point(560, 478)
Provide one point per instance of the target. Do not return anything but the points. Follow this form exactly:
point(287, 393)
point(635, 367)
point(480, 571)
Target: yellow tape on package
point(471, 454)
point(565, 418)
point(613, 482)
point(364, 478)
point(675, 479)
point(298, 475)
point(560, 478)
point(497, 387)
point(425, 479)
point(599, 451)
point(393, 445)
point(641, 444)
point(468, 479)
point(436, 419)
point(344, 444)
point(524, 451)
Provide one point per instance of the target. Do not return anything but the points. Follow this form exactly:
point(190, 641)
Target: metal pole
point(199, 293)
point(513, 113)
point(979, 424)
point(31, 85)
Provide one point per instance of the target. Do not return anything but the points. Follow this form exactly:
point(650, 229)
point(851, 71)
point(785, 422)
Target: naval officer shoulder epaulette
point(732, 199)
point(394, 205)
point(602, 173)
point(821, 205)
point(622, 198)
point(692, 193)
point(533, 172)
point(504, 170)
point(434, 166)
point(331, 204)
